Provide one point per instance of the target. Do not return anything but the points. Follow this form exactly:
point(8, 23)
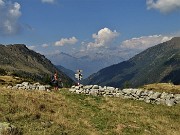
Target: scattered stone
point(8, 129)
point(47, 124)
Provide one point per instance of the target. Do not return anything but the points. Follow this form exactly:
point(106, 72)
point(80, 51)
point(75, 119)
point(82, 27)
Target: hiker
point(55, 81)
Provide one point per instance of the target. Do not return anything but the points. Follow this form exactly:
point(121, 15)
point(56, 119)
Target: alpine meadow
point(89, 67)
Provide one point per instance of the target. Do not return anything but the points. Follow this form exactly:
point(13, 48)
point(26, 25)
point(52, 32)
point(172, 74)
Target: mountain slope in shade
point(68, 72)
point(20, 61)
point(160, 63)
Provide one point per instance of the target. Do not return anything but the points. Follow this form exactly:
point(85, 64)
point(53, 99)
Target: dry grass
point(61, 113)
point(10, 80)
point(163, 87)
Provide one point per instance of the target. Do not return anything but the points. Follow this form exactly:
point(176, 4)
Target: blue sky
point(53, 26)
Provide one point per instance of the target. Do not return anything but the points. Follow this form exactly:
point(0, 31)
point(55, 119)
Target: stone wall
point(28, 86)
point(136, 94)
point(168, 99)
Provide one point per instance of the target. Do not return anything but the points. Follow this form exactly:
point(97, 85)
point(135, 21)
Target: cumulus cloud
point(48, 1)
point(1, 2)
point(164, 6)
point(65, 41)
point(9, 15)
point(102, 38)
point(144, 42)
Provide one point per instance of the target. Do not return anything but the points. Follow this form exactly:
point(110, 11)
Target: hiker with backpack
point(55, 81)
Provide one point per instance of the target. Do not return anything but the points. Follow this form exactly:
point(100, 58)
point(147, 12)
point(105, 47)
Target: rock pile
point(136, 94)
point(8, 129)
point(28, 86)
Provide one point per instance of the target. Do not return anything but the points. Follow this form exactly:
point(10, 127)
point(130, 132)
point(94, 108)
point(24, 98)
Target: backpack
point(52, 79)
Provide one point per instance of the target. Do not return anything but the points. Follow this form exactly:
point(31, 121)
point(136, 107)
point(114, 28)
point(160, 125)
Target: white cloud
point(44, 45)
point(9, 14)
point(144, 42)
point(65, 41)
point(48, 1)
point(1, 2)
point(164, 6)
point(32, 47)
point(102, 38)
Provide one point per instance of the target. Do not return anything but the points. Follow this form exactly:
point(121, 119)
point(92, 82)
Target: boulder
point(78, 91)
point(8, 129)
point(25, 83)
point(139, 92)
point(9, 87)
point(41, 87)
point(36, 84)
point(88, 87)
point(169, 96)
point(72, 90)
point(94, 92)
point(127, 91)
point(177, 98)
point(155, 95)
point(111, 88)
point(170, 102)
point(95, 87)
point(163, 95)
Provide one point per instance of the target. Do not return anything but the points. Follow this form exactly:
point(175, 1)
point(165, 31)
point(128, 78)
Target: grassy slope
point(163, 87)
point(10, 80)
point(56, 113)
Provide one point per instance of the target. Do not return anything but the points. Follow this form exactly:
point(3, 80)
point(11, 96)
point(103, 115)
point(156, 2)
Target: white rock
point(95, 87)
point(111, 88)
point(72, 90)
point(41, 87)
point(177, 98)
point(25, 83)
point(170, 102)
point(36, 84)
point(9, 87)
point(88, 86)
point(139, 92)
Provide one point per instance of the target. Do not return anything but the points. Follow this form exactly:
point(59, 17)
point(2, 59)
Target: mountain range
point(18, 60)
point(160, 63)
point(88, 63)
